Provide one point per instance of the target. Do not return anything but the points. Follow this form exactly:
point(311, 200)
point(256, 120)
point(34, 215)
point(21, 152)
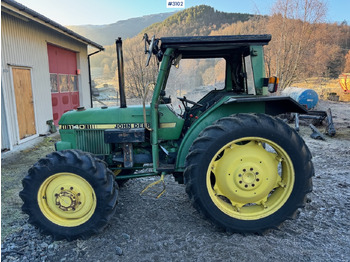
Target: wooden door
point(24, 102)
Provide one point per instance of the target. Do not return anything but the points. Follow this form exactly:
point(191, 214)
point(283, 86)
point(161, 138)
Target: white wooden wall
point(24, 44)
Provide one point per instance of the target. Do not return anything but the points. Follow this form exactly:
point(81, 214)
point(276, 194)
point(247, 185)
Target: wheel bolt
point(244, 170)
point(257, 179)
point(62, 188)
point(78, 194)
point(240, 182)
point(79, 203)
point(56, 195)
point(253, 185)
point(71, 188)
point(257, 173)
point(251, 169)
point(246, 186)
point(240, 175)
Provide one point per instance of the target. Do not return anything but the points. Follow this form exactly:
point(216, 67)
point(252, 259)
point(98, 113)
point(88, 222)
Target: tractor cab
point(242, 55)
point(243, 70)
point(239, 52)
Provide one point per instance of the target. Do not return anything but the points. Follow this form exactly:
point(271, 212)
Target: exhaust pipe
point(120, 61)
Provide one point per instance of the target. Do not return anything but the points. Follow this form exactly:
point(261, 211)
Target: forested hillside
point(199, 20)
point(302, 45)
point(106, 34)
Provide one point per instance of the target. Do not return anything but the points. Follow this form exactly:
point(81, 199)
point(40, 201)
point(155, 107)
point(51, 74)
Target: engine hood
point(170, 124)
point(105, 116)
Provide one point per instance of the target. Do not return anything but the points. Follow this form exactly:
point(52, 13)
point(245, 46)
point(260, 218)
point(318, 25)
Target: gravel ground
point(170, 229)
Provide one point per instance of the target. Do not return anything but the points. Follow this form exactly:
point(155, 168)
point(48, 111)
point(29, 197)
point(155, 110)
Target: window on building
point(53, 82)
point(63, 83)
point(74, 83)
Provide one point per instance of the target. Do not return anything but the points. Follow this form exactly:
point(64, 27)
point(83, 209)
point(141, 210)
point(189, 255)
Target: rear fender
point(234, 105)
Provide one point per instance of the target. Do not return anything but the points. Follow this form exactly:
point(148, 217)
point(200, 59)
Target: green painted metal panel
point(228, 76)
point(68, 140)
point(209, 117)
point(258, 64)
point(130, 117)
point(84, 129)
point(170, 124)
point(61, 145)
point(161, 82)
point(101, 116)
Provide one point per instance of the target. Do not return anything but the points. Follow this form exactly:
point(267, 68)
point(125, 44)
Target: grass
point(13, 170)
point(323, 87)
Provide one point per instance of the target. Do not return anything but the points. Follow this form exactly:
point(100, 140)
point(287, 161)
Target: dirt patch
point(149, 229)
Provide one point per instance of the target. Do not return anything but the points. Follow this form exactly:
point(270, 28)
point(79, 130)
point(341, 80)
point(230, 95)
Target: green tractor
point(244, 169)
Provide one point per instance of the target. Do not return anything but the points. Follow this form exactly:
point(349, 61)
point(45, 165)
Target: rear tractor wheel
point(69, 194)
point(248, 173)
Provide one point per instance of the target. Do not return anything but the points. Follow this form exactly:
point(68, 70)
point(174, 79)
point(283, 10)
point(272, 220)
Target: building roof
point(13, 7)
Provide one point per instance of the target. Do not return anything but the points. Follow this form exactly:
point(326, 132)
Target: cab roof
point(211, 46)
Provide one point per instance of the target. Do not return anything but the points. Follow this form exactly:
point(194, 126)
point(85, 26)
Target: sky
point(83, 12)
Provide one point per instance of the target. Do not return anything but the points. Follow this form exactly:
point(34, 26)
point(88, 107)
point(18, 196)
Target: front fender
point(234, 105)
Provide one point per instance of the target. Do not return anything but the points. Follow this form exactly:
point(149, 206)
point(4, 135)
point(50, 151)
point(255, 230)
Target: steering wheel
point(185, 100)
point(150, 50)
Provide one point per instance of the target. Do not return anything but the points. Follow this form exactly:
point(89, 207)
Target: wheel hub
point(247, 178)
point(66, 201)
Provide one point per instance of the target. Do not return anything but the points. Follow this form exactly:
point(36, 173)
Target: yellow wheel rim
point(67, 199)
point(250, 178)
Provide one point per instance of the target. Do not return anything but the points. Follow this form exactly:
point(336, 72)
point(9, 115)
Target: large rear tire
point(248, 173)
point(69, 194)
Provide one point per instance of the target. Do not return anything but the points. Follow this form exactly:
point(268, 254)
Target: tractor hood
point(103, 117)
point(121, 118)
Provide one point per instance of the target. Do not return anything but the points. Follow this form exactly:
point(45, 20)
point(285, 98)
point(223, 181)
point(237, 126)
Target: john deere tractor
point(244, 169)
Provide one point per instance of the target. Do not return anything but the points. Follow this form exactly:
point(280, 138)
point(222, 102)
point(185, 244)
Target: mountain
point(193, 21)
point(293, 46)
point(106, 34)
point(197, 20)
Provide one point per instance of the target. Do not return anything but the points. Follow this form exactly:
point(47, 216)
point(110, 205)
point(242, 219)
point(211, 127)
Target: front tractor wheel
point(69, 194)
point(248, 173)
